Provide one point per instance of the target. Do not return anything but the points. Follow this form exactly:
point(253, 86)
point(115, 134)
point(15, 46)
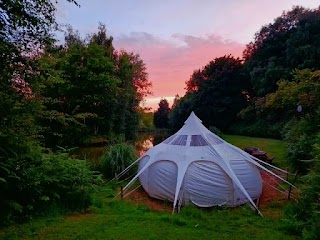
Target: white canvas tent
point(196, 166)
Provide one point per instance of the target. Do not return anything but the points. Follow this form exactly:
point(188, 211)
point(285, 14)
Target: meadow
point(112, 218)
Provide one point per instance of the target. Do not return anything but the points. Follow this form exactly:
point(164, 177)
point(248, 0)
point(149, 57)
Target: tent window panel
point(168, 140)
point(180, 140)
point(198, 140)
point(214, 139)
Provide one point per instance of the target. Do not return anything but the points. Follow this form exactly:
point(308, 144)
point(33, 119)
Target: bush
point(300, 136)
point(34, 185)
point(117, 158)
point(259, 128)
point(304, 216)
point(215, 130)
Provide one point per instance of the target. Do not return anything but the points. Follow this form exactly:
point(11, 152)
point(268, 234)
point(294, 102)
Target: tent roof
point(199, 134)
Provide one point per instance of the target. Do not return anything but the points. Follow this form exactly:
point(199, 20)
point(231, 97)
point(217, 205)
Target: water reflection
point(147, 141)
point(143, 143)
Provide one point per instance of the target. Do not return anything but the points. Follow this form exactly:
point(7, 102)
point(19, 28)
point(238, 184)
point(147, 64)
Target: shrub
point(300, 134)
point(34, 185)
point(117, 158)
point(258, 128)
point(304, 216)
point(215, 130)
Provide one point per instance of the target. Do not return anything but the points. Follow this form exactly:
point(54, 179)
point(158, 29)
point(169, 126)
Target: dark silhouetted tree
point(161, 116)
point(292, 41)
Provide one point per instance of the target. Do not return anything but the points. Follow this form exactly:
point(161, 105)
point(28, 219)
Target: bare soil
point(269, 191)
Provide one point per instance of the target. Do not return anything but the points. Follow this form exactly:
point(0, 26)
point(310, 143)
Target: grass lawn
point(110, 218)
point(274, 148)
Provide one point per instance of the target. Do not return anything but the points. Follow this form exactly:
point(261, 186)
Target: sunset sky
point(176, 37)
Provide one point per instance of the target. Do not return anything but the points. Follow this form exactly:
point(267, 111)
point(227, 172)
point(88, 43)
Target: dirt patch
point(269, 193)
point(269, 190)
point(140, 197)
point(79, 217)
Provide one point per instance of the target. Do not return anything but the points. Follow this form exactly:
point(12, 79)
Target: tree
point(301, 129)
point(90, 90)
point(291, 41)
point(161, 116)
point(101, 38)
point(303, 89)
point(196, 79)
point(180, 111)
point(24, 26)
point(220, 95)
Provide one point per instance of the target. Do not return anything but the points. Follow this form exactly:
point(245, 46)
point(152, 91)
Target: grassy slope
point(274, 148)
point(114, 219)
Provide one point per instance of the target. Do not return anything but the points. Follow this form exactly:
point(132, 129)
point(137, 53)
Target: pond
point(144, 141)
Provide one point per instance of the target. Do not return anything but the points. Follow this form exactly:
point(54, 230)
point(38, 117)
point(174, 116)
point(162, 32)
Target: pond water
point(143, 142)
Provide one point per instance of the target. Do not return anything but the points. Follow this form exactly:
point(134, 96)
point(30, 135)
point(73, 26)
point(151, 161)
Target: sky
point(176, 37)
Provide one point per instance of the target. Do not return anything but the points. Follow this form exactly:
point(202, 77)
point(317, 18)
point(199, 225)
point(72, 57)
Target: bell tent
point(196, 166)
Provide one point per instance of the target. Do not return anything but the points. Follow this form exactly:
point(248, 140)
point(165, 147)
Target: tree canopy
point(290, 42)
point(161, 116)
point(54, 96)
point(217, 92)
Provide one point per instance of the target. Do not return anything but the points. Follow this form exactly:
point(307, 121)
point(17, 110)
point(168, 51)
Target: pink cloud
point(170, 62)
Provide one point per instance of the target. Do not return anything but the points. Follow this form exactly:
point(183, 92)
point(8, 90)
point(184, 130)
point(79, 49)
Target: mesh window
point(168, 140)
point(213, 139)
point(198, 140)
point(180, 140)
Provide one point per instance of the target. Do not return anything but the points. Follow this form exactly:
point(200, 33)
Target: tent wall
point(250, 178)
point(160, 180)
point(206, 185)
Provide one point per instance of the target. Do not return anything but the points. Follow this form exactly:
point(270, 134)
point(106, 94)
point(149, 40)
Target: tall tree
point(91, 89)
point(102, 39)
point(221, 92)
point(161, 116)
point(24, 26)
point(291, 41)
point(181, 110)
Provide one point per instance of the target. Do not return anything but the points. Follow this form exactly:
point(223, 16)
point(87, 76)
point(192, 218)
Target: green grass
point(274, 148)
point(119, 219)
point(110, 218)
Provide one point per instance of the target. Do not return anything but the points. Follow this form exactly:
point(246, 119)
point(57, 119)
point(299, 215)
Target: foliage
point(266, 116)
point(300, 131)
point(303, 89)
point(24, 28)
point(89, 89)
point(290, 42)
point(257, 120)
point(304, 216)
point(117, 158)
point(161, 116)
point(216, 93)
point(35, 183)
point(146, 120)
point(215, 131)
point(257, 128)
point(300, 136)
point(26, 23)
